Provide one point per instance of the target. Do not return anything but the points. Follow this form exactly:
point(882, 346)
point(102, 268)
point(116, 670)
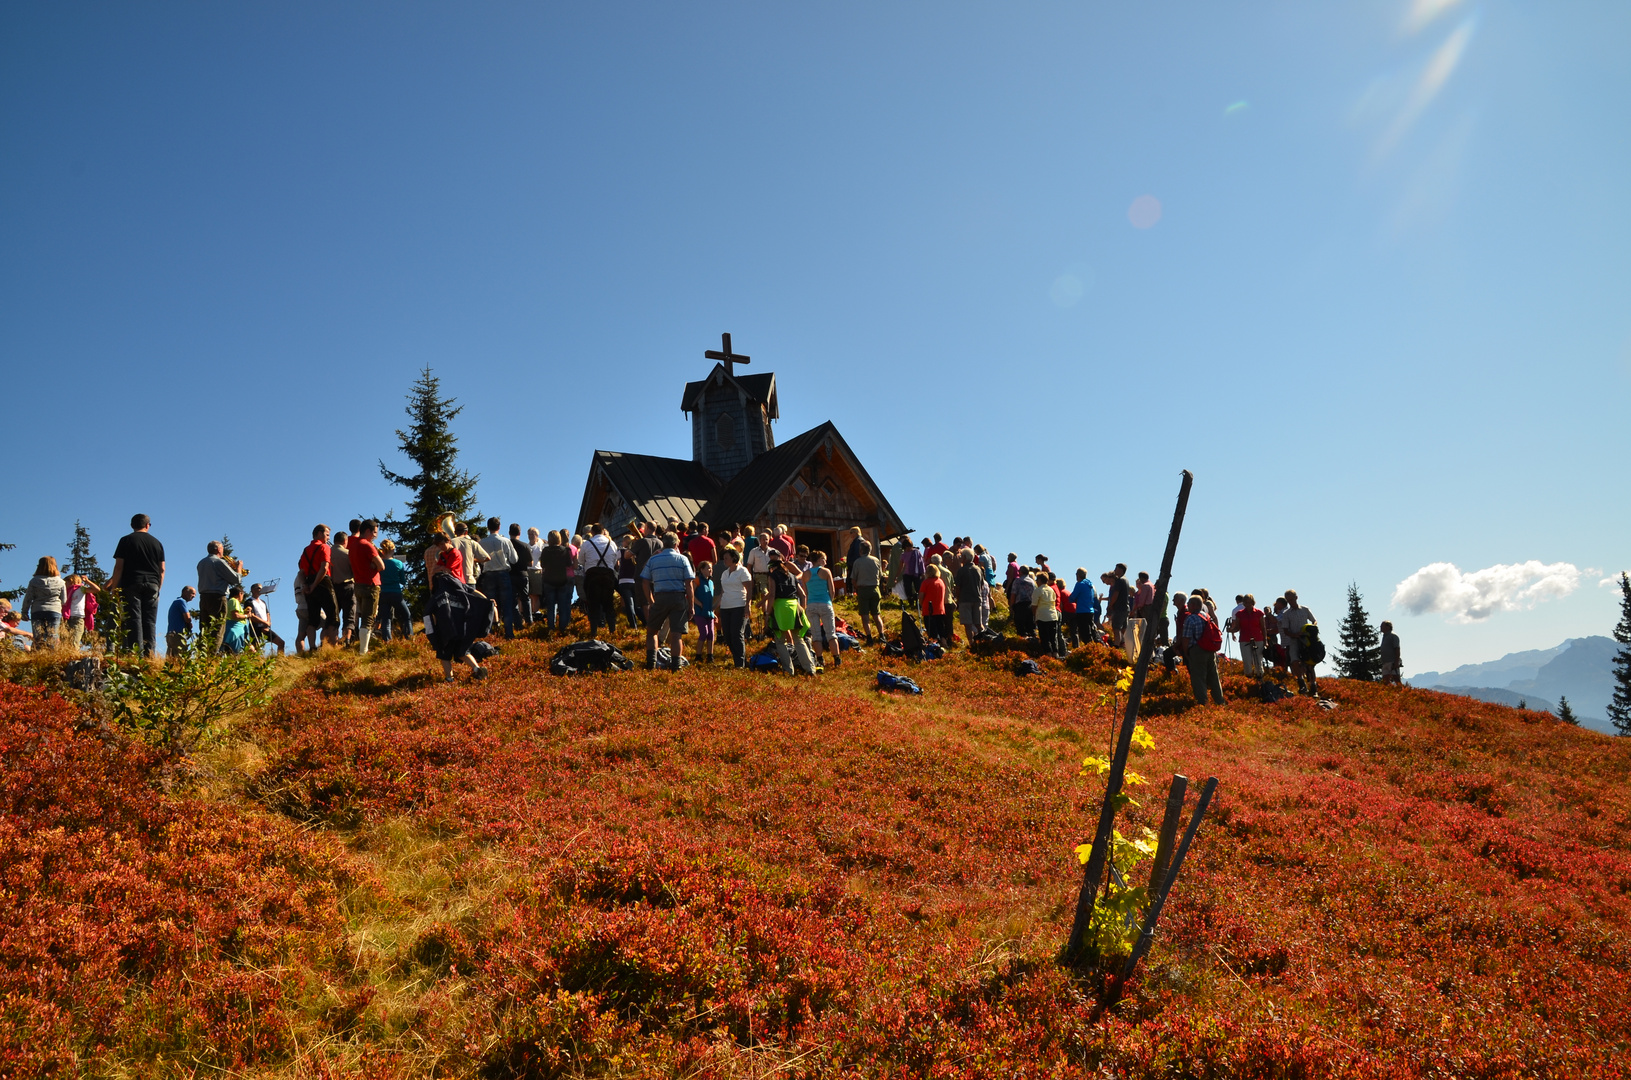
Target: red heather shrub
point(136, 925)
point(724, 874)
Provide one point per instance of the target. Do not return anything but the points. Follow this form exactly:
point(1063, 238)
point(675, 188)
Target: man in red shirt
point(322, 607)
point(937, 548)
point(366, 563)
point(1249, 625)
point(700, 546)
point(932, 598)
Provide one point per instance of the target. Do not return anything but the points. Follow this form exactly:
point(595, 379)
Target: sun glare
point(1423, 12)
point(1433, 77)
point(1144, 212)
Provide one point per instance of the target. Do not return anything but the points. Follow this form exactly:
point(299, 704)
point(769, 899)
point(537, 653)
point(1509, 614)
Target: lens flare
point(1145, 211)
point(1067, 291)
point(1439, 68)
point(1423, 12)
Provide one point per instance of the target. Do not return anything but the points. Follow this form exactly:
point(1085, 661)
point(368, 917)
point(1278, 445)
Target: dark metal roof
point(751, 490)
point(764, 477)
point(759, 388)
point(657, 488)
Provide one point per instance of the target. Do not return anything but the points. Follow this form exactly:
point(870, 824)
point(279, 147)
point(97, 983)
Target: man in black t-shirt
point(138, 575)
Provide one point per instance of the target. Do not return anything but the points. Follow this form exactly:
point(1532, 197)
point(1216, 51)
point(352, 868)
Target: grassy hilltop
point(729, 874)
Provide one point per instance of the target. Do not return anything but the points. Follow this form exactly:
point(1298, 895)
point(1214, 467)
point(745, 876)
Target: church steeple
point(731, 414)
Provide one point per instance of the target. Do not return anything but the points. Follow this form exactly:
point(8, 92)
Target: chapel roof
point(760, 389)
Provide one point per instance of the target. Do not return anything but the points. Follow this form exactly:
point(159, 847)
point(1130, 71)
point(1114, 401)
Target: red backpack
point(1210, 640)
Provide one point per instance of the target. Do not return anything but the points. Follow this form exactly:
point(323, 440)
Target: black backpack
point(585, 656)
point(911, 638)
point(1313, 649)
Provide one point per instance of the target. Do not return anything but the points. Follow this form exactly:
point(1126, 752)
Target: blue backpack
point(888, 681)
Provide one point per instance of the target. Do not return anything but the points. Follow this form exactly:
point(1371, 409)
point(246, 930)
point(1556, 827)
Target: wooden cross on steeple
point(725, 356)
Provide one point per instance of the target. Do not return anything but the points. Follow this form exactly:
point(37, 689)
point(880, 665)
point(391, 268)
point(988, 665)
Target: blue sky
point(1383, 314)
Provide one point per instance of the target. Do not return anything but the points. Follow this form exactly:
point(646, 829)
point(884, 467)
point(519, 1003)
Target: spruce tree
point(81, 559)
point(1566, 714)
point(1360, 656)
point(1619, 710)
point(11, 594)
point(437, 487)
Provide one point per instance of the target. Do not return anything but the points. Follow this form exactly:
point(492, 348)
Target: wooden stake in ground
point(1169, 834)
point(1093, 873)
point(1159, 899)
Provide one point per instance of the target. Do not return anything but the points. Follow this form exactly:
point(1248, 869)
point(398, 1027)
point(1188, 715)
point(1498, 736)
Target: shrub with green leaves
point(177, 706)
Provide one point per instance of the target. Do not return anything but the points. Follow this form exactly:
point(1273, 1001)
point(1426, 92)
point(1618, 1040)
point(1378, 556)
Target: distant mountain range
point(1579, 669)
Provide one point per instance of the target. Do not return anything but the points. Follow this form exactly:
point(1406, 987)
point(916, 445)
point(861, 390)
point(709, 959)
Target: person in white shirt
point(758, 567)
point(495, 582)
point(1292, 621)
point(597, 579)
point(535, 573)
point(260, 620)
point(469, 551)
point(735, 585)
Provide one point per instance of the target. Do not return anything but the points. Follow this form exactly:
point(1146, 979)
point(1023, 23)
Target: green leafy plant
point(177, 706)
point(1115, 924)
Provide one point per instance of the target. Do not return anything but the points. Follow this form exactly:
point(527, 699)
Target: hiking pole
point(1093, 873)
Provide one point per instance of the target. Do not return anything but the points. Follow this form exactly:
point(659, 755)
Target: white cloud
point(1610, 582)
point(1475, 596)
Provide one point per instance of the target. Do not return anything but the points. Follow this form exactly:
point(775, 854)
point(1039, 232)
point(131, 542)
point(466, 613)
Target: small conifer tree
point(1360, 656)
point(437, 487)
point(1565, 713)
point(81, 559)
point(1619, 710)
point(11, 594)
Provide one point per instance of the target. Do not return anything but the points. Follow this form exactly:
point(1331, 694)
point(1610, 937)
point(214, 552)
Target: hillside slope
point(725, 874)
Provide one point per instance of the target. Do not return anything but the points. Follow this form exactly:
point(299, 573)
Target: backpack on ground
point(765, 659)
point(481, 650)
point(933, 650)
point(1210, 640)
point(1027, 667)
point(888, 681)
point(1313, 649)
point(1272, 692)
point(585, 656)
point(911, 638)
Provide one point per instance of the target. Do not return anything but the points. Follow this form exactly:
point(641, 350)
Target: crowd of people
point(666, 579)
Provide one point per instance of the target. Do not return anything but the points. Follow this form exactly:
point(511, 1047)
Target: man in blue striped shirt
point(669, 584)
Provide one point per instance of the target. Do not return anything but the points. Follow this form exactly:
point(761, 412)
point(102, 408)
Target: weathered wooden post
point(1093, 873)
point(1158, 900)
point(1169, 833)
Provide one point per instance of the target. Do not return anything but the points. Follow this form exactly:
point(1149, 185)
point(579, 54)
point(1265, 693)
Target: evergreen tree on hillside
point(1619, 710)
point(437, 487)
point(1360, 656)
point(11, 594)
point(81, 559)
point(1566, 714)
